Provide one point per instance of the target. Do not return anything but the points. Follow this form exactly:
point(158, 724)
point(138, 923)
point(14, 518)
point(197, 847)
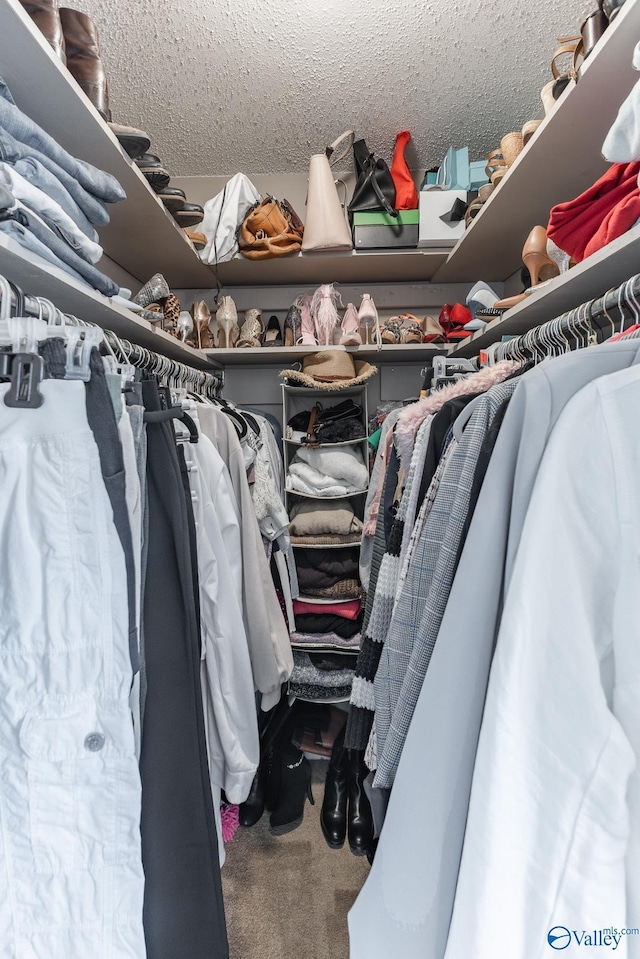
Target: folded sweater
point(345, 464)
point(313, 519)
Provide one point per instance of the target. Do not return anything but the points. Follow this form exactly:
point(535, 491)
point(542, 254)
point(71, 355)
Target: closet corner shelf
point(288, 355)
point(142, 237)
point(589, 279)
point(561, 160)
point(38, 278)
point(364, 266)
point(326, 446)
point(327, 499)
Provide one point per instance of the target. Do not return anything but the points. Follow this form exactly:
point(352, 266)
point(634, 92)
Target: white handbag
point(326, 226)
point(223, 215)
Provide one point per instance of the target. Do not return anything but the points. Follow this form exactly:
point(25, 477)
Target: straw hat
point(330, 370)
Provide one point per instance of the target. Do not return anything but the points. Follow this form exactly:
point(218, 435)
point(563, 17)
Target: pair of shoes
point(345, 807)
point(273, 334)
point(368, 320)
point(453, 320)
point(74, 38)
point(202, 338)
point(476, 205)
point(405, 328)
point(175, 200)
point(197, 240)
point(540, 265)
point(432, 331)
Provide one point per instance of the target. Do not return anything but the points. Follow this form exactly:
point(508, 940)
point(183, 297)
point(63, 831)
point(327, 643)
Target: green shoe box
point(376, 230)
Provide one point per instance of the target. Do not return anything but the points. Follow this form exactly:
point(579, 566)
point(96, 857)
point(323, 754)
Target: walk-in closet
point(319, 501)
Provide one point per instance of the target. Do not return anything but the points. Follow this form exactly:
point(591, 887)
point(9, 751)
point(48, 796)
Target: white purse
point(223, 215)
point(326, 226)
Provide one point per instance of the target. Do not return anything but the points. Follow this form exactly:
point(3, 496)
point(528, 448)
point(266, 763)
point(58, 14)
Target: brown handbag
point(271, 228)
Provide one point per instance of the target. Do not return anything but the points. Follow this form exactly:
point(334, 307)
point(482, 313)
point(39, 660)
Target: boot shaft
point(83, 57)
point(46, 16)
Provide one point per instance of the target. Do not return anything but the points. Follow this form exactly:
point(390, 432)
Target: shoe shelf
point(142, 238)
point(562, 159)
point(365, 266)
point(295, 354)
point(591, 278)
point(38, 278)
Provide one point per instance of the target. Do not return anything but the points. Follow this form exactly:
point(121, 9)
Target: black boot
point(295, 786)
point(252, 808)
point(360, 819)
point(333, 817)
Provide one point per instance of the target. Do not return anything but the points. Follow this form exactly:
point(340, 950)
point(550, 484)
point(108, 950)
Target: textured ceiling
point(227, 85)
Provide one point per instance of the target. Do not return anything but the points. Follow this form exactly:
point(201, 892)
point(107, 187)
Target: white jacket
point(553, 833)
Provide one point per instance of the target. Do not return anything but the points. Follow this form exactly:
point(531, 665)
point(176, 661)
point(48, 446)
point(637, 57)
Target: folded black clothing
point(329, 662)
point(327, 623)
point(331, 565)
point(335, 424)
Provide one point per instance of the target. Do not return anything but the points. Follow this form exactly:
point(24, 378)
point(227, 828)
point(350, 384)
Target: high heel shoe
point(368, 319)
point(307, 329)
point(540, 266)
point(273, 333)
point(227, 320)
point(253, 807)
point(252, 330)
point(350, 327)
point(292, 326)
point(333, 816)
point(295, 789)
point(201, 319)
point(324, 313)
point(359, 818)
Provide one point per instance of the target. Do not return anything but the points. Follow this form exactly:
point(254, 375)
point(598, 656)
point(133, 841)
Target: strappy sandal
point(411, 329)
point(476, 205)
point(251, 330)
point(496, 166)
point(511, 146)
point(390, 330)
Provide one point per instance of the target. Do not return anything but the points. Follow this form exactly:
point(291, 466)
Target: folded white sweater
point(345, 464)
point(304, 479)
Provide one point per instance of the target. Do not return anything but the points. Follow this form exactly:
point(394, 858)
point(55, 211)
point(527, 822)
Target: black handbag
point(375, 189)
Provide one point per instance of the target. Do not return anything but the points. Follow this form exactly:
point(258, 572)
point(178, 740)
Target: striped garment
point(421, 604)
point(381, 601)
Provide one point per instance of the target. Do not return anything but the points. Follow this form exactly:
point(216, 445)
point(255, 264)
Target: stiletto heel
point(310, 794)
point(368, 319)
point(539, 264)
point(227, 319)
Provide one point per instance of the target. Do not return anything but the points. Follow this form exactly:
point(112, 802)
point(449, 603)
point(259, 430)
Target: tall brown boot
point(83, 57)
point(46, 16)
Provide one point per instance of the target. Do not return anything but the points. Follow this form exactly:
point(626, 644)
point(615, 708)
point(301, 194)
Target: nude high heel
point(368, 319)
point(540, 266)
point(201, 319)
point(350, 327)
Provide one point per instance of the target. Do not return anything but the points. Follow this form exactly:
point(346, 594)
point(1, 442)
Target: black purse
point(375, 189)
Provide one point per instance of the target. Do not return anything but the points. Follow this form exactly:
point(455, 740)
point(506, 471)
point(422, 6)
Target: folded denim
point(16, 231)
point(12, 150)
point(51, 212)
point(33, 171)
point(23, 128)
point(16, 210)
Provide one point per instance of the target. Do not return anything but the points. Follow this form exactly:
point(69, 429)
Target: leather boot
point(252, 808)
point(333, 817)
point(83, 58)
point(360, 819)
point(294, 789)
point(46, 16)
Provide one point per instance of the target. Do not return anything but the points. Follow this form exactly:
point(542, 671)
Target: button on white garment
point(94, 742)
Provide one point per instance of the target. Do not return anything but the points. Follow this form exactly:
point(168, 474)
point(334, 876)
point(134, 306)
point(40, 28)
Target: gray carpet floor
point(287, 897)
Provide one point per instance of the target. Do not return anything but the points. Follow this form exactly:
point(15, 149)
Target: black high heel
point(295, 788)
point(333, 817)
point(253, 807)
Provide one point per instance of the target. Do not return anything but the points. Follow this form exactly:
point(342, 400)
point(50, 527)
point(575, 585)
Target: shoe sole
point(173, 203)
point(188, 219)
point(287, 827)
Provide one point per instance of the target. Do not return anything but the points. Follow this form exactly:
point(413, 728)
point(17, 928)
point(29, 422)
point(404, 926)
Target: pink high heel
point(368, 320)
point(324, 313)
point(350, 328)
point(307, 329)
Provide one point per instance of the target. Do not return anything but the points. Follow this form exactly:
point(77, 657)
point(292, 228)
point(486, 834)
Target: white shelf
point(587, 280)
point(326, 446)
point(356, 545)
point(316, 601)
point(365, 266)
point(324, 648)
point(295, 354)
point(561, 160)
point(328, 499)
point(36, 277)
point(142, 237)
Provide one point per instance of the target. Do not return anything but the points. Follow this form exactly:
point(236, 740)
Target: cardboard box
point(434, 232)
point(382, 218)
point(380, 237)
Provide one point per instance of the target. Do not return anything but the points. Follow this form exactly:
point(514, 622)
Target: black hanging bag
point(375, 189)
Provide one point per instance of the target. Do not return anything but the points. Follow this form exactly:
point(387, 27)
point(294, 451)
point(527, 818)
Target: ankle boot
point(252, 808)
point(333, 817)
point(360, 819)
point(295, 787)
point(83, 58)
point(46, 16)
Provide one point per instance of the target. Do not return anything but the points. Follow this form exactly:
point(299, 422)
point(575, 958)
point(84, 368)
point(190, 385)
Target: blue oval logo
point(559, 937)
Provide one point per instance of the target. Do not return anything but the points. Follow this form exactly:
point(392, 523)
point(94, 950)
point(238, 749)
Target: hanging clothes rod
point(173, 371)
point(606, 314)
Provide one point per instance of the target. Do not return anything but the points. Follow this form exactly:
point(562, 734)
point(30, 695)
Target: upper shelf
point(589, 279)
point(365, 266)
point(36, 277)
point(142, 237)
point(561, 160)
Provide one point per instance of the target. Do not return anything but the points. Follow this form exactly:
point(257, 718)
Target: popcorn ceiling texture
point(228, 85)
